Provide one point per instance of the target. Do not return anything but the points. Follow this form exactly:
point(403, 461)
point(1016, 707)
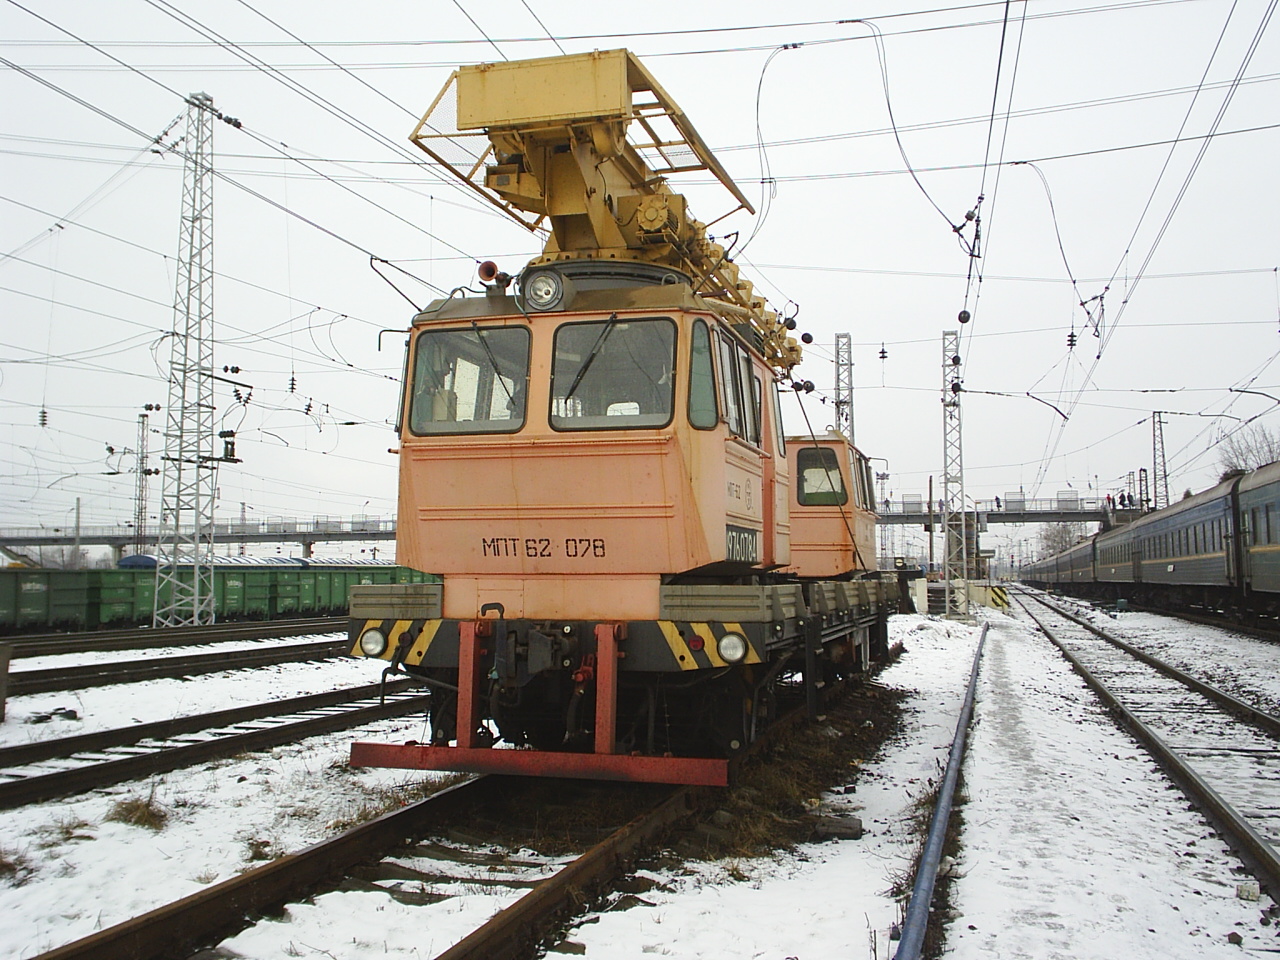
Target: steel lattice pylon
point(955, 551)
point(844, 385)
point(184, 553)
point(140, 493)
point(1160, 467)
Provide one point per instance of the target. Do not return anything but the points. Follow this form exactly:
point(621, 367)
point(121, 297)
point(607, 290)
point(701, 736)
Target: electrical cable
point(480, 29)
point(550, 35)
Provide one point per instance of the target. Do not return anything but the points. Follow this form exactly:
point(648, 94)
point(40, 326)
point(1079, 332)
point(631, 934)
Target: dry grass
point(15, 866)
point(140, 812)
point(386, 799)
point(64, 831)
point(771, 807)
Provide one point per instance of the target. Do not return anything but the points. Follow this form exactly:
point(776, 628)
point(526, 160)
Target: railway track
point(128, 671)
point(142, 638)
point(399, 854)
point(51, 768)
point(467, 840)
point(1224, 753)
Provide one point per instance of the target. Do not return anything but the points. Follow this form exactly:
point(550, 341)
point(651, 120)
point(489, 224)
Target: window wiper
point(493, 361)
point(595, 350)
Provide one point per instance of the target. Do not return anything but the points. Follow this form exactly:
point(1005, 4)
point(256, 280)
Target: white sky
point(849, 236)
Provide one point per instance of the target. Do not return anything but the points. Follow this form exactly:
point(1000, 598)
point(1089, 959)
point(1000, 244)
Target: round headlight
point(732, 648)
point(543, 291)
point(373, 643)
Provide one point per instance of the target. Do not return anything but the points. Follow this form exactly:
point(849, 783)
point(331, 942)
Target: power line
point(549, 34)
point(480, 29)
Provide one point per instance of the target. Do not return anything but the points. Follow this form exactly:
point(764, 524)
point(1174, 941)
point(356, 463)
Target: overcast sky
point(1173, 250)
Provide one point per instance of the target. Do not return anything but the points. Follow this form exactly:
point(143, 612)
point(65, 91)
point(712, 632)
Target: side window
point(702, 380)
point(758, 397)
point(777, 421)
point(819, 483)
point(750, 411)
point(730, 389)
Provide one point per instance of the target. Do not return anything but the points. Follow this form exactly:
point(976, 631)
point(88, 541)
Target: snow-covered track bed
point(51, 768)
point(421, 855)
point(97, 674)
point(1225, 754)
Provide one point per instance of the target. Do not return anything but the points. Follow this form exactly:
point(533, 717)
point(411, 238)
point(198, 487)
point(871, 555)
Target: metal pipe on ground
point(917, 919)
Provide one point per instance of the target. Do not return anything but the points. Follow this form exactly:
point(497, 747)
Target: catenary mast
point(184, 552)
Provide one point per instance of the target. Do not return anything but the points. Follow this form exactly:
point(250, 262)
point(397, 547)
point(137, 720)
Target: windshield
point(470, 381)
point(612, 374)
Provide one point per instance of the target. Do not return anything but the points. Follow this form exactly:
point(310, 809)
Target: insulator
point(808, 386)
point(806, 338)
point(964, 316)
point(44, 417)
point(884, 354)
point(293, 383)
point(1071, 339)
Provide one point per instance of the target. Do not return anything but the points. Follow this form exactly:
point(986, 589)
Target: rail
point(224, 909)
point(129, 671)
point(1258, 855)
point(221, 910)
point(338, 710)
point(917, 919)
point(145, 638)
point(1243, 710)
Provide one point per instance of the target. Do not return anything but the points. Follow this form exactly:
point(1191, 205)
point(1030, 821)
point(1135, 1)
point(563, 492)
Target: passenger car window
point(819, 483)
point(613, 374)
point(469, 381)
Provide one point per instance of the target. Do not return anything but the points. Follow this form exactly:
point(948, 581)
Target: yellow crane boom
point(579, 147)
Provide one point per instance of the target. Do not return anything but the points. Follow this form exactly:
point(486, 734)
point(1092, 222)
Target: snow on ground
point(1073, 844)
point(105, 708)
point(83, 872)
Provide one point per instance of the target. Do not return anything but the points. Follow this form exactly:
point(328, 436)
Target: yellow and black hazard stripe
point(652, 645)
point(693, 645)
point(1000, 598)
point(420, 633)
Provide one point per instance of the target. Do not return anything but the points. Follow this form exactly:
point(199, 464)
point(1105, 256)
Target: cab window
point(613, 374)
point(469, 381)
point(702, 381)
point(819, 483)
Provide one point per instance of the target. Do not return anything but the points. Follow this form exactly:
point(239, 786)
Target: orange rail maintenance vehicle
point(636, 562)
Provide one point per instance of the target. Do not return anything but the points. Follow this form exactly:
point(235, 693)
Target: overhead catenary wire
point(1205, 141)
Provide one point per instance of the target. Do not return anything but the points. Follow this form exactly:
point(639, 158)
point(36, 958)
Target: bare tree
point(1057, 537)
point(1248, 449)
